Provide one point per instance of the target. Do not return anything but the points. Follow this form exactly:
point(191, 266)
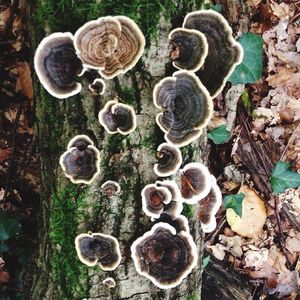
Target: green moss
point(192, 297)
point(68, 15)
point(69, 273)
point(188, 211)
point(127, 94)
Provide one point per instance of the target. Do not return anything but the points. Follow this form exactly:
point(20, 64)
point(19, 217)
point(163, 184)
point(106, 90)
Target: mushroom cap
point(195, 182)
point(180, 222)
point(57, 65)
point(154, 199)
point(189, 48)
point(117, 117)
point(112, 45)
point(80, 141)
point(224, 53)
point(163, 256)
point(169, 160)
point(209, 206)
point(175, 206)
point(98, 248)
point(109, 282)
point(187, 107)
point(97, 87)
point(81, 162)
point(110, 188)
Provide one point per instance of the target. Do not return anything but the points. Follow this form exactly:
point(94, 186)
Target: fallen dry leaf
point(5, 154)
point(4, 277)
point(253, 217)
point(25, 79)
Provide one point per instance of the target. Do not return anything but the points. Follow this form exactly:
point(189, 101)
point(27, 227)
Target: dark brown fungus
point(189, 49)
point(117, 117)
point(112, 45)
point(164, 256)
point(154, 199)
point(110, 188)
point(195, 182)
point(208, 207)
point(81, 162)
point(57, 65)
point(175, 206)
point(169, 160)
point(97, 87)
point(187, 107)
point(224, 53)
point(98, 248)
point(180, 223)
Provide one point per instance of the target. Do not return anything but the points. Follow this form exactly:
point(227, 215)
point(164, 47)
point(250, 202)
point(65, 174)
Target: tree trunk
point(68, 209)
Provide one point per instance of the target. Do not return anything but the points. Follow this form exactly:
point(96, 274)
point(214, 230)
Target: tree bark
point(128, 160)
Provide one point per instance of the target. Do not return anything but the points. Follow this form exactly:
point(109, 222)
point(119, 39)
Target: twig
point(210, 239)
point(275, 198)
point(10, 163)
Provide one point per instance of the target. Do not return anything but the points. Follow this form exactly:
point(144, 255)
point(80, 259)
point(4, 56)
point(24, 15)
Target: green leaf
point(283, 177)
point(8, 227)
point(250, 69)
point(219, 135)
point(205, 262)
point(235, 202)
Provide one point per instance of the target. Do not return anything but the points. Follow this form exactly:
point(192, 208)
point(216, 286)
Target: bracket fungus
point(175, 206)
point(196, 182)
point(224, 53)
point(164, 256)
point(97, 87)
point(169, 160)
point(180, 222)
point(98, 248)
point(81, 161)
point(154, 199)
point(189, 48)
point(110, 188)
point(187, 107)
point(57, 65)
point(112, 45)
point(117, 117)
point(208, 207)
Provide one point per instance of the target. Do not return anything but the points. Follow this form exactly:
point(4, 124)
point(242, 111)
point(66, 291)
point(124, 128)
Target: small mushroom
point(175, 206)
point(196, 182)
point(189, 48)
point(117, 117)
point(180, 223)
point(112, 45)
point(109, 282)
point(208, 207)
point(169, 160)
point(98, 248)
point(81, 162)
point(57, 65)
point(164, 256)
point(224, 53)
point(187, 107)
point(110, 188)
point(97, 87)
point(154, 199)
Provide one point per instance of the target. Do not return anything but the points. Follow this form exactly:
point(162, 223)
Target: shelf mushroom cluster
point(204, 45)
point(111, 45)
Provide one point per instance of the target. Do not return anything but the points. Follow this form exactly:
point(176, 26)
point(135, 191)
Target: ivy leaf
point(205, 262)
point(283, 177)
point(8, 227)
point(235, 202)
point(219, 135)
point(250, 69)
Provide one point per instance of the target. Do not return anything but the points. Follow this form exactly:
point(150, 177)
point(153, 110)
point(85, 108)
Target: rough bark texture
point(126, 159)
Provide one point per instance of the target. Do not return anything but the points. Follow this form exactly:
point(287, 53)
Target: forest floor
point(263, 119)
